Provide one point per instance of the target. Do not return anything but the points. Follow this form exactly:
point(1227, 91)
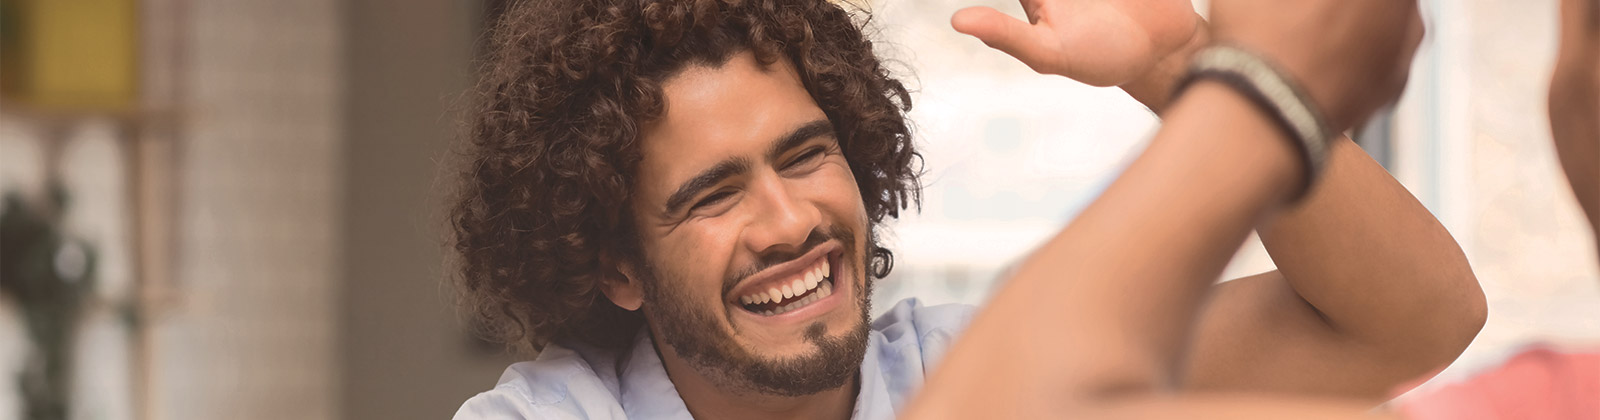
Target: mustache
point(816, 238)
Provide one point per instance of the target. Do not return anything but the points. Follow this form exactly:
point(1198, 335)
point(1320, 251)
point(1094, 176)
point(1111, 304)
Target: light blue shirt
point(580, 382)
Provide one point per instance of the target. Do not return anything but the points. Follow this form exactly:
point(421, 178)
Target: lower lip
point(821, 306)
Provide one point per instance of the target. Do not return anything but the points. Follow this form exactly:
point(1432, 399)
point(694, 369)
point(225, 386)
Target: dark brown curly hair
point(565, 91)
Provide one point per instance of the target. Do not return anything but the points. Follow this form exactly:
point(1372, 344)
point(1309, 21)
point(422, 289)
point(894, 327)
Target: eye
point(806, 156)
point(712, 199)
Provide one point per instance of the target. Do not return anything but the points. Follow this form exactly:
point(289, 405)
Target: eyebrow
point(739, 165)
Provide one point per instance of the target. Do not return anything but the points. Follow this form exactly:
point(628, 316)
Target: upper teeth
point(798, 285)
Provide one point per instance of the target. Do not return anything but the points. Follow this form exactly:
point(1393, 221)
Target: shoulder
point(926, 331)
point(911, 317)
point(560, 384)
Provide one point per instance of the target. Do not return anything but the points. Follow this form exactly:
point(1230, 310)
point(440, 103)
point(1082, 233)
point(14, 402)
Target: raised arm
point(1097, 322)
point(1371, 290)
point(1100, 313)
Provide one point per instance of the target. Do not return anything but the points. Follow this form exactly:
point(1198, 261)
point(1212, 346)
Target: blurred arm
point(1575, 104)
point(1130, 271)
point(1371, 291)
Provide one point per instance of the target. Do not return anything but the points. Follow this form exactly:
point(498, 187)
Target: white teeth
point(822, 292)
point(824, 288)
point(818, 276)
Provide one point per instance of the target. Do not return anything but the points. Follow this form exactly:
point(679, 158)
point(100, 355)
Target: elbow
point(1470, 311)
point(1458, 309)
point(1475, 314)
point(1461, 299)
point(1477, 309)
point(1454, 330)
point(1455, 318)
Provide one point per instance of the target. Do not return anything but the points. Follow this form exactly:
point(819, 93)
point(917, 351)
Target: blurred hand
point(1098, 42)
point(1352, 56)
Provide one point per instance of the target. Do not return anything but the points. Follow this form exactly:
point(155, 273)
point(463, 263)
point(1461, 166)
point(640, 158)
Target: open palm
point(1098, 42)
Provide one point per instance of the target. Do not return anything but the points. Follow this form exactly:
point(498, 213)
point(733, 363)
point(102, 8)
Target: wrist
point(1262, 155)
point(1274, 93)
point(1154, 87)
point(1325, 87)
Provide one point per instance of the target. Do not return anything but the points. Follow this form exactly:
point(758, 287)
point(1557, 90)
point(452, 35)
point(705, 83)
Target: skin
point(770, 209)
point(711, 117)
point(1319, 325)
point(1133, 386)
point(1120, 324)
point(1575, 103)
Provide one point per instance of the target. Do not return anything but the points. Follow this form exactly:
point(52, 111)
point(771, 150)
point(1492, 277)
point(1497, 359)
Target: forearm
point(1361, 250)
point(1131, 270)
point(1378, 267)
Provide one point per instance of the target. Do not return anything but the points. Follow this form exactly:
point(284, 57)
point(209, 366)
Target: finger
point(1002, 32)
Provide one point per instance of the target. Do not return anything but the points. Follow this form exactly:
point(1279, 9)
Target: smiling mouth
point(809, 287)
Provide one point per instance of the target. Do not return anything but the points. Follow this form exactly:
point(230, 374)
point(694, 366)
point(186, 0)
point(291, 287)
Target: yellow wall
point(77, 55)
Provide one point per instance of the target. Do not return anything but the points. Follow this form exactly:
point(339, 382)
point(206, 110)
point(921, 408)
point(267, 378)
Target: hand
point(1098, 42)
point(1352, 56)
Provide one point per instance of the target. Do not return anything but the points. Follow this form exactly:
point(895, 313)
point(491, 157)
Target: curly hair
point(554, 131)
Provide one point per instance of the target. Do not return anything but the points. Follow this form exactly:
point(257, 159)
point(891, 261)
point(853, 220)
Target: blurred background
point(230, 208)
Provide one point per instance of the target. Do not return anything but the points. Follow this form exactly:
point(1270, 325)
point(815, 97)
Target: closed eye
point(807, 156)
point(714, 198)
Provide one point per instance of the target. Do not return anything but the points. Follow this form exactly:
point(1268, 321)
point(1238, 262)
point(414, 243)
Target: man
point(674, 203)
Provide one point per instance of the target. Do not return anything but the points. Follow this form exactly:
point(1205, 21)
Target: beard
point(692, 331)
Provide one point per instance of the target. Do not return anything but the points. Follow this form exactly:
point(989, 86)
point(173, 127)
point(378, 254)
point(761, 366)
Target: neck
point(707, 400)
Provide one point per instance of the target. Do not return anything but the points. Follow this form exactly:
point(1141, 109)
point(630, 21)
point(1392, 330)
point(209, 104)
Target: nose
point(784, 218)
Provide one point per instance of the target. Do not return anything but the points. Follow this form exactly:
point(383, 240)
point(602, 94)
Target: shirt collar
point(873, 402)
point(647, 392)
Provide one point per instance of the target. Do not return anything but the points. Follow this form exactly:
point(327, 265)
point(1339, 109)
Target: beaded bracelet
point(1274, 92)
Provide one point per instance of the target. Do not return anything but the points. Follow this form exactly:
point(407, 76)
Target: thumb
point(1002, 32)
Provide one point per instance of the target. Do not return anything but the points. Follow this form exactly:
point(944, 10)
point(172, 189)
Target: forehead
point(737, 109)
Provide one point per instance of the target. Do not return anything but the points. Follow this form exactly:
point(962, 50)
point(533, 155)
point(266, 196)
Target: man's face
point(753, 232)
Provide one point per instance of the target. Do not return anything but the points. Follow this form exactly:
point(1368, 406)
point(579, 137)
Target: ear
point(621, 283)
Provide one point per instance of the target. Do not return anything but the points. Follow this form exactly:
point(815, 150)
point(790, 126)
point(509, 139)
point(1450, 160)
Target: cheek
point(841, 196)
point(699, 258)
